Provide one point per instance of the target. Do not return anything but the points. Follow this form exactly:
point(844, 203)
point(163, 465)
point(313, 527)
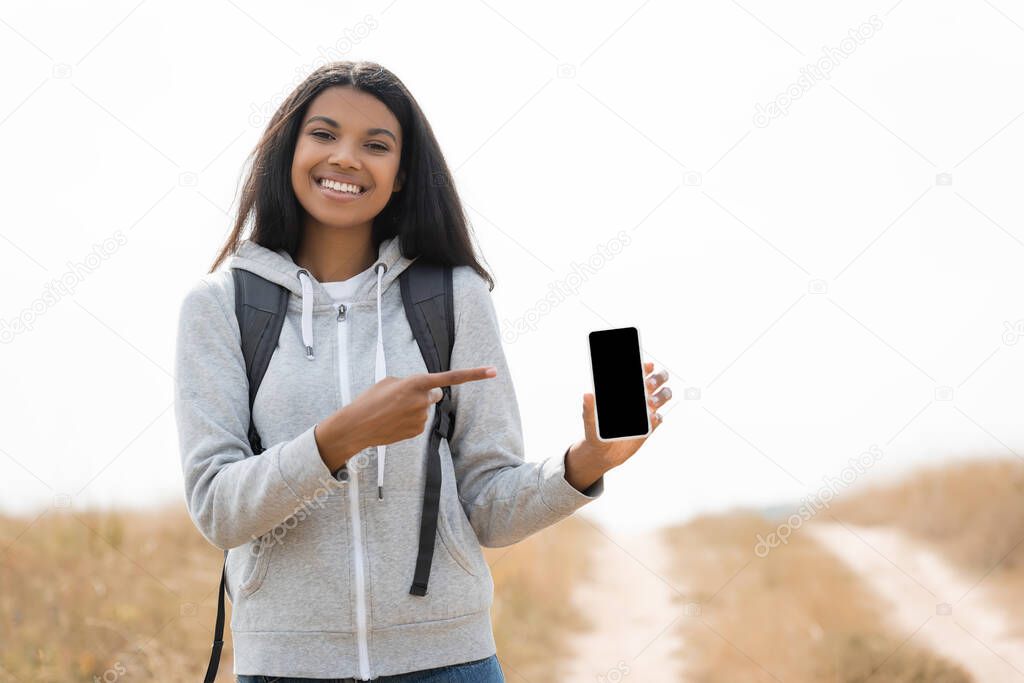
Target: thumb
point(589, 420)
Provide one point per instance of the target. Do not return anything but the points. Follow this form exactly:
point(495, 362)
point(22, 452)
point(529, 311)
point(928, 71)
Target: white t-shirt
point(342, 290)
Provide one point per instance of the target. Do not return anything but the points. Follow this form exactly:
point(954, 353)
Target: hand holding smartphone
point(622, 410)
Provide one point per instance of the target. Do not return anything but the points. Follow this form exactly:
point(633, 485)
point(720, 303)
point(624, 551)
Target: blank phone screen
point(618, 383)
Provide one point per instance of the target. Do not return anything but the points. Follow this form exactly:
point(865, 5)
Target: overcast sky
point(814, 212)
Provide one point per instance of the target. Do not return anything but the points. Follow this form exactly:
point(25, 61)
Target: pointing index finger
point(430, 380)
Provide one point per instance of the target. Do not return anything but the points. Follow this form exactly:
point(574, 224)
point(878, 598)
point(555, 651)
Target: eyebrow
point(369, 131)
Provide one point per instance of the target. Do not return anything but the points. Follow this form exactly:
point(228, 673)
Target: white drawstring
point(380, 370)
point(307, 313)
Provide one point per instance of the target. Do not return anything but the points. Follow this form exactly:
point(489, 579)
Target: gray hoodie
point(319, 567)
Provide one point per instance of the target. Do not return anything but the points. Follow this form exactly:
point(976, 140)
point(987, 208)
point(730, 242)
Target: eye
point(377, 146)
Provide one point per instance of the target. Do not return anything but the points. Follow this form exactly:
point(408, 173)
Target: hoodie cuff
point(301, 466)
point(556, 491)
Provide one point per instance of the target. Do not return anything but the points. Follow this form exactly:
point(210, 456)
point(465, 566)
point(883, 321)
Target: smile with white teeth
point(340, 187)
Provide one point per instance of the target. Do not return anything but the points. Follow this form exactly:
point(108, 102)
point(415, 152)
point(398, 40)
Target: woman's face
point(350, 137)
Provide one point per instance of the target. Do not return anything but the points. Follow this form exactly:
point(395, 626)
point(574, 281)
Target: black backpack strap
point(260, 307)
point(429, 307)
point(218, 629)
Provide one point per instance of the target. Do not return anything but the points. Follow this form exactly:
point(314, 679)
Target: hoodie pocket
point(454, 528)
point(454, 542)
point(302, 577)
point(263, 548)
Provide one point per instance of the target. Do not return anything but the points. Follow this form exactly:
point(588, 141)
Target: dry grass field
point(972, 511)
point(112, 594)
point(97, 595)
point(795, 615)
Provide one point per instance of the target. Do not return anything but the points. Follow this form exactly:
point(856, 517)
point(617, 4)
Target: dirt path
point(917, 583)
point(631, 606)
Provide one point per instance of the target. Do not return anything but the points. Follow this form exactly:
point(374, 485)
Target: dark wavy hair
point(425, 214)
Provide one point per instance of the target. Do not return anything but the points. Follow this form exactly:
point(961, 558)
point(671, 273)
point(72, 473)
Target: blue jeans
point(486, 670)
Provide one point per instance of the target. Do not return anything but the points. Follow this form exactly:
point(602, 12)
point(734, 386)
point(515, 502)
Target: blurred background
point(810, 211)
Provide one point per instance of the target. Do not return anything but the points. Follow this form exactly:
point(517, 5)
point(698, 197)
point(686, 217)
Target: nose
point(343, 155)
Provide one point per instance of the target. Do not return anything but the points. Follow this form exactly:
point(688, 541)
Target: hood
point(278, 267)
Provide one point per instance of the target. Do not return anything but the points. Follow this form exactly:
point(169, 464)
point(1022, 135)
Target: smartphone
point(620, 397)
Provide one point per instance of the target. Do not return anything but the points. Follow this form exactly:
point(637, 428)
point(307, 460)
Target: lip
point(338, 177)
point(336, 196)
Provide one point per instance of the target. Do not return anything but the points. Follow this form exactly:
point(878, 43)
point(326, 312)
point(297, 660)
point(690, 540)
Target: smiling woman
point(358, 239)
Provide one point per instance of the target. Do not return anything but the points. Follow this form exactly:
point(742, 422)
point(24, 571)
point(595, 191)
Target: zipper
point(357, 535)
point(364, 654)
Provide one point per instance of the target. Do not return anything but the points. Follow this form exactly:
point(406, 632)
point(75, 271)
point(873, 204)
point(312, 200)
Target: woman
point(349, 187)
